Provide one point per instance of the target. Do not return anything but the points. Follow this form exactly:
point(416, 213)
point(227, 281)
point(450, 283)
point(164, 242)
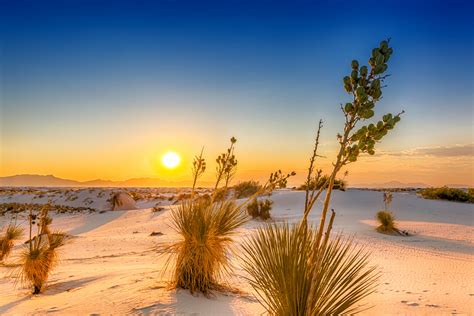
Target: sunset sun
point(171, 160)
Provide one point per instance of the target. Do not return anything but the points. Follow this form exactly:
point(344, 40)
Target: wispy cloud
point(465, 150)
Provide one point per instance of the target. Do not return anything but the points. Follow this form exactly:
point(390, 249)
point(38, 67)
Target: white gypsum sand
point(111, 265)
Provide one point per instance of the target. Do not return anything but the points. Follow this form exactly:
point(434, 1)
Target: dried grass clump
point(246, 188)
point(386, 221)
point(40, 255)
point(202, 253)
point(7, 240)
point(260, 209)
point(292, 275)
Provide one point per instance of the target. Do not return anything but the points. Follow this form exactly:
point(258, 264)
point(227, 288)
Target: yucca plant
point(7, 240)
point(386, 221)
point(201, 256)
point(199, 259)
point(40, 255)
point(300, 270)
point(291, 279)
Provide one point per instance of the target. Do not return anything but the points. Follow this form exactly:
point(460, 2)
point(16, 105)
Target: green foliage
point(322, 183)
point(292, 275)
point(201, 255)
point(449, 194)
point(386, 221)
point(301, 270)
point(260, 209)
point(246, 188)
point(366, 88)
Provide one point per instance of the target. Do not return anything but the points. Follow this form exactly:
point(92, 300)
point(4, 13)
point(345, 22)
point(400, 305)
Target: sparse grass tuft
point(294, 276)
point(206, 231)
point(7, 240)
point(387, 222)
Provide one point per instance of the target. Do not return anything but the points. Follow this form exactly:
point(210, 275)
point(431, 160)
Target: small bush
point(386, 221)
point(39, 255)
point(7, 241)
point(221, 194)
point(202, 253)
point(339, 184)
point(293, 276)
point(260, 209)
point(246, 189)
point(448, 194)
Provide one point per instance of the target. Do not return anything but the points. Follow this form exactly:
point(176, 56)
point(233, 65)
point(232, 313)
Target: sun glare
point(171, 160)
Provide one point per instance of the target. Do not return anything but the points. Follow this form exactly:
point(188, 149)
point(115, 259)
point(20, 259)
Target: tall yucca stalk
point(206, 227)
point(301, 270)
point(7, 241)
point(40, 255)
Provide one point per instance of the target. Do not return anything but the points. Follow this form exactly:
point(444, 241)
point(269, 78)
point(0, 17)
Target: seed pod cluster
point(366, 88)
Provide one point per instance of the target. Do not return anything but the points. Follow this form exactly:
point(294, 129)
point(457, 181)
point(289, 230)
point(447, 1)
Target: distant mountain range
point(398, 184)
point(34, 180)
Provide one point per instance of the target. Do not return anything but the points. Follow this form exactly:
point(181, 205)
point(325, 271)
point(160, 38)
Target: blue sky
point(265, 71)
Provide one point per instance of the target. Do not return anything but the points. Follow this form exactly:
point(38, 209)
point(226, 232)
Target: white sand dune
point(112, 266)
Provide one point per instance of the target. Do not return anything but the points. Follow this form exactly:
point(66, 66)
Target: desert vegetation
point(40, 254)
point(300, 270)
point(386, 222)
point(260, 208)
point(16, 208)
point(448, 194)
point(246, 188)
point(385, 218)
point(11, 234)
point(199, 260)
point(322, 182)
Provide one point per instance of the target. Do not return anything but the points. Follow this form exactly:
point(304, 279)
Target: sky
point(97, 89)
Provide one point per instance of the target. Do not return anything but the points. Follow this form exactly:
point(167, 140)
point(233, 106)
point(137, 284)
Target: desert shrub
point(294, 276)
point(301, 270)
point(316, 184)
point(7, 240)
point(15, 208)
point(449, 194)
point(137, 196)
point(201, 256)
point(39, 256)
point(260, 209)
point(246, 188)
point(183, 196)
point(386, 221)
point(470, 191)
point(206, 226)
point(221, 194)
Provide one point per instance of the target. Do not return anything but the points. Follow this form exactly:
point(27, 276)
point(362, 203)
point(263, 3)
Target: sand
point(111, 265)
